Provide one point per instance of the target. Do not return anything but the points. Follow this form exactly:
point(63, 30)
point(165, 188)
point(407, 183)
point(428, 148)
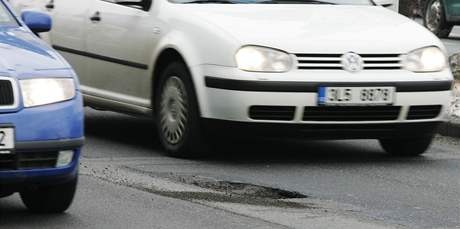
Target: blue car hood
point(23, 55)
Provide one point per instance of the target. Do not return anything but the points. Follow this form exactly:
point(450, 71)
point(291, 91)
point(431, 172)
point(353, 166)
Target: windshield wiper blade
point(210, 1)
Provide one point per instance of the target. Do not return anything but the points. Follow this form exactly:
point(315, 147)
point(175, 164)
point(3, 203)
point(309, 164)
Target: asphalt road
point(127, 182)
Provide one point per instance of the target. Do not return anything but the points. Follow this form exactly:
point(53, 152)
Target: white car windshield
point(328, 2)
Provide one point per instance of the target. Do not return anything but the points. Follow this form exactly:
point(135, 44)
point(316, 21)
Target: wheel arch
point(168, 55)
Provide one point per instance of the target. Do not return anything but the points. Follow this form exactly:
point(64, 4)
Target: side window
point(137, 4)
point(453, 7)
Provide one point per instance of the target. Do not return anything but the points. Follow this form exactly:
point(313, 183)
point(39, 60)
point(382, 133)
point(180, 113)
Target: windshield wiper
point(211, 1)
point(295, 2)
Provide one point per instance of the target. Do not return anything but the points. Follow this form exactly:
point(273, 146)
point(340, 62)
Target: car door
point(453, 8)
point(68, 34)
point(121, 38)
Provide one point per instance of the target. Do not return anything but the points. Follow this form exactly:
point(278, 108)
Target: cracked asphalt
point(127, 182)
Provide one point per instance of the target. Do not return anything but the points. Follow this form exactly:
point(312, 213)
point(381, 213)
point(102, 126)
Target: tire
point(434, 19)
point(406, 147)
point(177, 115)
point(50, 199)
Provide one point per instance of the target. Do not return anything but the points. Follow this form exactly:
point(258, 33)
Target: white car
point(327, 69)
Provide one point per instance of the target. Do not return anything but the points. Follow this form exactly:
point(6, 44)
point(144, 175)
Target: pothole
point(230, 198)
point(239, 188)
point(228, 191)
point(229, 187)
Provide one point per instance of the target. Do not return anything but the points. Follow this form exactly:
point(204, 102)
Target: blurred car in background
point(440, 16)
point(41, 115)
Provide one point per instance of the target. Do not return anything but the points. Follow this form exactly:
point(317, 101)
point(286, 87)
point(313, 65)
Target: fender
point(195, 51)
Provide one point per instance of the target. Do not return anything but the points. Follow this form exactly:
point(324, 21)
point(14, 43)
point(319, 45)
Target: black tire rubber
point(406, 147)
point(193, 143)
point(444, 28)
point(50, 199)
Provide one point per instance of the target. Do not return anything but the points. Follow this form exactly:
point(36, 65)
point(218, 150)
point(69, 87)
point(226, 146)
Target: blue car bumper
point(41, 133)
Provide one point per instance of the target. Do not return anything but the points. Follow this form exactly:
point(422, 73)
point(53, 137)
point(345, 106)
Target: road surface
point(127, 181)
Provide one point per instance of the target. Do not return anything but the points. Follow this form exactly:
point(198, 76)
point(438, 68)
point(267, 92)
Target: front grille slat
point(7, 161)
point(280, 113)
point(322, 65)
point(6, 93)
point(381, 65)
point(351, 113)
point(319, 68)
point(21, 160)
point(318, 55)
point(424, 112)
point(380, 55)
point(334, 61)
point(319, 62)
point(382, 61)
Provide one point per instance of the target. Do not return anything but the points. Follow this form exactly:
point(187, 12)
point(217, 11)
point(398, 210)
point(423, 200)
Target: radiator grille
point(352, 113)
point(281, 113)
point(20, 161)
point(334, 61)
point(6, 93)
point(424, 112)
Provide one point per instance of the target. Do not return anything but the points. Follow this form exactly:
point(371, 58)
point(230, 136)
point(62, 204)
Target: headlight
point(260, 59)
point(429, 59)
point(36, 92)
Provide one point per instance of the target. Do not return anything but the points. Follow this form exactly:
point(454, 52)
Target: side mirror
point(36, 21)
point(385, 3)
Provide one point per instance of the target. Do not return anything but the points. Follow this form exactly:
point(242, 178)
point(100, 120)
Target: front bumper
point(13, 180)
point(40, 134)
point(228, 94)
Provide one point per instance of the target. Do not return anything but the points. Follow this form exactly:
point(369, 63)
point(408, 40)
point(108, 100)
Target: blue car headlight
point(41, 91)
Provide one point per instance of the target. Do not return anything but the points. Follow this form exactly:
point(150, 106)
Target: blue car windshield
point(326, 2)
point(6, 18)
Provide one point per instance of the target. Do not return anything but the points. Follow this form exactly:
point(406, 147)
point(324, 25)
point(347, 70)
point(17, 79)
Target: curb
point(450, 129)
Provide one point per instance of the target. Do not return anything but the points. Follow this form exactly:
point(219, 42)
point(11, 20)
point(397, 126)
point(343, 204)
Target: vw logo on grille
point(352, 62)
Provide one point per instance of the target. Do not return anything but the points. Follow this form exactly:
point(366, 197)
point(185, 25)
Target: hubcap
point(434, 16)
point(173, 110)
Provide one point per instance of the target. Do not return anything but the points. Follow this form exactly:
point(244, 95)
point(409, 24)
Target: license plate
point(356, 95)
point(6, 140)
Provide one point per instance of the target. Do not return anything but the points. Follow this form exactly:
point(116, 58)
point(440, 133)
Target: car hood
point(317, 28)
point(23, 55)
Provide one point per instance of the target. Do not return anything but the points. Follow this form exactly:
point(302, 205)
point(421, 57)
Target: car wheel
point(50, 199)
point(435, 19)
point(177, 113)
point(406, 147)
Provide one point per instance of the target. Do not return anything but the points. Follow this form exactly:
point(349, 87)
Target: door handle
point(96, 17)
point(50, 5)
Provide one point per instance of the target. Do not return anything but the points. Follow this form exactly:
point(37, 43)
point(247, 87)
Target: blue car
point(41, 116)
